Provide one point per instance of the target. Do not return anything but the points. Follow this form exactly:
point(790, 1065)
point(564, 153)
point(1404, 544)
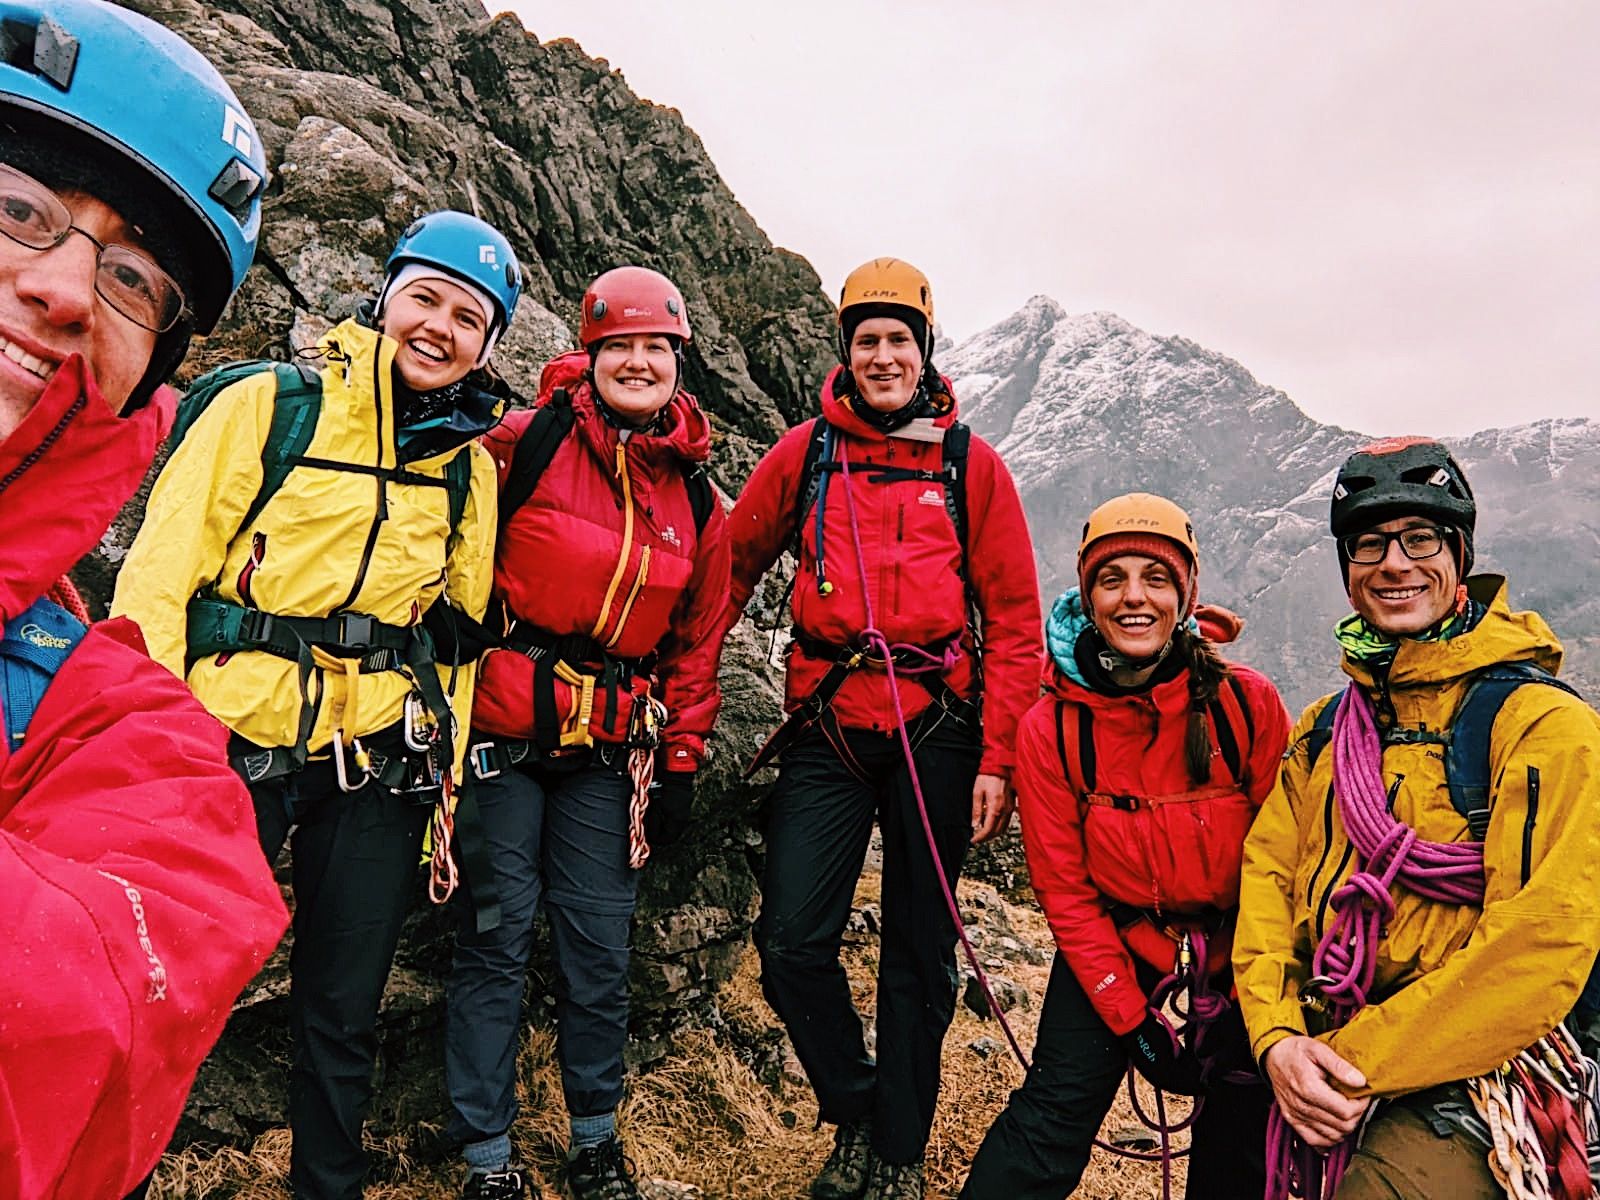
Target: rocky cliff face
point(1085, 407)
point(373, 112)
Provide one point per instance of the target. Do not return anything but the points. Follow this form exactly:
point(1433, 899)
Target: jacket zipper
point(1527, 827)
point(1327, 845)
point(627, 545)
point(633, 594)
point(381, 513)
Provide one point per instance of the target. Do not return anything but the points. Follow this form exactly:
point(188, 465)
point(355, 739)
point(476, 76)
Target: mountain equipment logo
point(35, 636)
point(236, 130)
point(933, 498)
point(486, 255)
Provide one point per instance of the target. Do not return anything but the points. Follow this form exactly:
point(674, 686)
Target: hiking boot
point(509, 1184)
point(601, 1172)
point(844, 1175)
point(894, 1181)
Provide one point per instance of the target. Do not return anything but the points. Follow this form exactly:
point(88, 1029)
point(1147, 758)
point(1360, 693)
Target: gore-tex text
point(158, 971)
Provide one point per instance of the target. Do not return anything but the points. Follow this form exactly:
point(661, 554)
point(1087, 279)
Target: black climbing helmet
point(1403, 477)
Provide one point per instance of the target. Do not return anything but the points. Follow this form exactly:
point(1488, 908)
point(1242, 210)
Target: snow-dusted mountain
point(1085, 406)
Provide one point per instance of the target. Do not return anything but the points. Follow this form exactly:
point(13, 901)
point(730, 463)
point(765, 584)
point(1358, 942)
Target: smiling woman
point(295, 614)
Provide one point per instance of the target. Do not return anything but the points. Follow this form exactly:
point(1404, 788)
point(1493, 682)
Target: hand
point(1156, 1054)
point(671, 803)
point(993, 802)
point(1303, 1072)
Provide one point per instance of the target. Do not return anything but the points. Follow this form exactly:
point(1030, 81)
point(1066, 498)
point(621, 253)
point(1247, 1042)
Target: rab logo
point(932, 498)
point(486, 255)
point(236, 130)
point(35, 636)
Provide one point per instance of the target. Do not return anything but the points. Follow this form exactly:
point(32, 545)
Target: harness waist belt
point(222, 627)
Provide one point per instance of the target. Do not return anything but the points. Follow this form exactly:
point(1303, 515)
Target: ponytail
point(1206, 670)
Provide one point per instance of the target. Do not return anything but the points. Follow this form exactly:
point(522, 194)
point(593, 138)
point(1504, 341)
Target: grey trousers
point(560, 839)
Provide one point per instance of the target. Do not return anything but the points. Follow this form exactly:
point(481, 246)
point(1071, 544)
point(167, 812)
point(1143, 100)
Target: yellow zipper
point(633, 594)
point(627, 540)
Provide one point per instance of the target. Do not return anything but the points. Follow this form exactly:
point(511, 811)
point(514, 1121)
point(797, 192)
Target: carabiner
point(420, 729)
point(341, 771)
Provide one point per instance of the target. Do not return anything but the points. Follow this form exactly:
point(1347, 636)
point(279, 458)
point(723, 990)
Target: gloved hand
point(1156, 1055)
point(671, 800)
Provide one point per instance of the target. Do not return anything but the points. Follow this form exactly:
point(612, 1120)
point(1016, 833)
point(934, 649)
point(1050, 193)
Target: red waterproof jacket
point(913, 561)
point(607, 547)
point(1083, 856)
point(137, 902)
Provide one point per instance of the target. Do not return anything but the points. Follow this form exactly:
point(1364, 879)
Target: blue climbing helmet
point(468, 249)
point(128, 111)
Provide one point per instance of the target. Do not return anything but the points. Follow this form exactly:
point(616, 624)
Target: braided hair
point(1207, 670)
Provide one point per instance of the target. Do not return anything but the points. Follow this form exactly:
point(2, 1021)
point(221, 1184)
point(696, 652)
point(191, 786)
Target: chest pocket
point(1174, 853)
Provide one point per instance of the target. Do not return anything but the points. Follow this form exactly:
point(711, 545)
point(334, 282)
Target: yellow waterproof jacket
point(1458, 990)
point(328, 541)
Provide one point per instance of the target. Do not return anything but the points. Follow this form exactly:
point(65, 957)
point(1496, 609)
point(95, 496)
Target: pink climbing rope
point(1344, 965)
point(876, 641)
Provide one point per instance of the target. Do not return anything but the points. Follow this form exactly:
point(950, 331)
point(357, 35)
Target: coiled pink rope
point(1388, 851)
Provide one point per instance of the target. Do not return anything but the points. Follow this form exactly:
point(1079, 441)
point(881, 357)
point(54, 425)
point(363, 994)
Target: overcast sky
point(1390, 211)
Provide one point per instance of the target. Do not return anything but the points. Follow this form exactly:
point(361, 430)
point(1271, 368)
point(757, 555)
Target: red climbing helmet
point(630, 300)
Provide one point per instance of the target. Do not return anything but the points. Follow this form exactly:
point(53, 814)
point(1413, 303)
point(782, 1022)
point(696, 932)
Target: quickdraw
point(644, 736)
point(1542, 1110)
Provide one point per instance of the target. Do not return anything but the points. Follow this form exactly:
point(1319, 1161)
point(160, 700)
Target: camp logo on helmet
point(486, 255)
point(880, 294)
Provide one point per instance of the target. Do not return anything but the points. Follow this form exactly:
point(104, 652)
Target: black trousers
point(1040, 1143)
point(354, 860)
point(819, 823)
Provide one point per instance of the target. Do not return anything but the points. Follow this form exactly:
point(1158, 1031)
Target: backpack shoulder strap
point(458, 484)
point(1466, 754)
point(957, 441)
point(296, 405)
point(1321, 731)
point(819, 449)
point(1075, 745)
point(535, 449)
point(1235, 731)
point(702, 496)
point(36, 643)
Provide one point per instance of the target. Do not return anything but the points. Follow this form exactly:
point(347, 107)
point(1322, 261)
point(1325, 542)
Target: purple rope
point(1345, 962)
point(876, 640)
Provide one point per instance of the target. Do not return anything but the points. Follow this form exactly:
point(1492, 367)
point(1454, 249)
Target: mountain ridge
point(1084, 406)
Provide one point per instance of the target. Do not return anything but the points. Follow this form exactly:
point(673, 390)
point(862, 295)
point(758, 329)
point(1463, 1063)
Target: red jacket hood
point(688, 432)
point(837, 411)
point(65, 473)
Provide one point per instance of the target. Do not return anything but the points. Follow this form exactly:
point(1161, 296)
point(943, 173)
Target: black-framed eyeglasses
point(127, 279)
point(1418, 542)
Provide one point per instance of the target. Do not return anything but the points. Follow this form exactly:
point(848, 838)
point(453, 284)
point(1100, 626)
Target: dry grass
point(701, 1117)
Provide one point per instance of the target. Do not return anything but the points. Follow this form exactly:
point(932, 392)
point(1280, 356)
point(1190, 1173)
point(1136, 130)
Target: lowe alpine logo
point(36, 636)
point(236, 130)
point(486, 255)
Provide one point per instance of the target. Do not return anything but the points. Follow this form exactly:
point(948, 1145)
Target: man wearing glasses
point(137, 904)
point(1418, 902)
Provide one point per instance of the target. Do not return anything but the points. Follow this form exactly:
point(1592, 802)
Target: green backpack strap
point(458, 483)
point(295, 409)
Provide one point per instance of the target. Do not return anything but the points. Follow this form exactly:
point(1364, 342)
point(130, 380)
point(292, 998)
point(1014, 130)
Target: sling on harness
point(821, 462)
